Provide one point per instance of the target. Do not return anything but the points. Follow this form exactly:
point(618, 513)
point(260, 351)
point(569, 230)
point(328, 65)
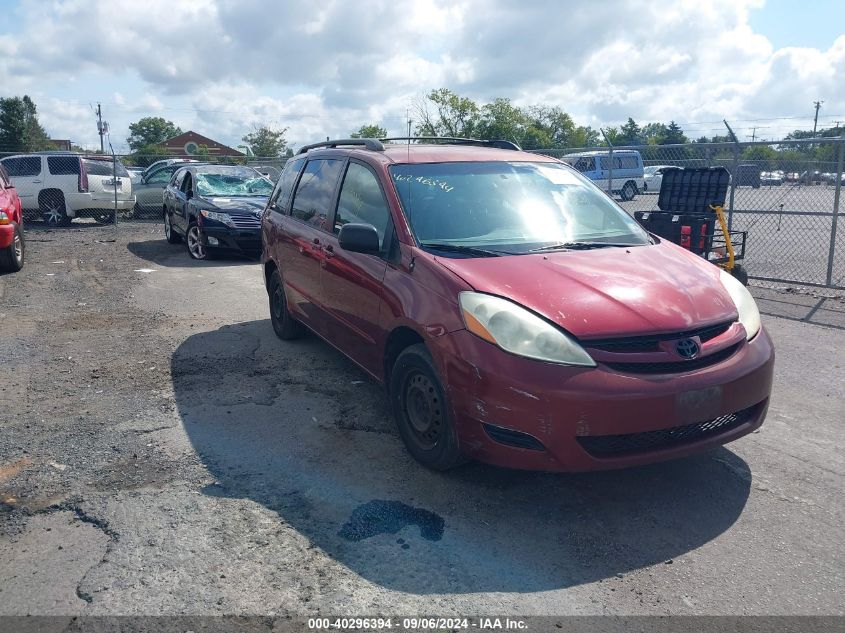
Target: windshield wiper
point(468, 250)
point(580, 246)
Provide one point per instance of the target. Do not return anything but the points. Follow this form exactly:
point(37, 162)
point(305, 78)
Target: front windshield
point(233, 182)
point(648, 171)
point(513, 207)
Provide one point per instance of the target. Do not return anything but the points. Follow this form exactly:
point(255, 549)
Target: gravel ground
point(163, 453)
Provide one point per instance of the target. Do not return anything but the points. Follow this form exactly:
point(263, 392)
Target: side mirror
point(359, 238)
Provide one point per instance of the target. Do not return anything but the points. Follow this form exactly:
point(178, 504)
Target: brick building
point(187, 145)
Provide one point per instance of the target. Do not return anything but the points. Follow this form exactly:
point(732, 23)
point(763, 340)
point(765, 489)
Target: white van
point(628, 176)
point(62, 186)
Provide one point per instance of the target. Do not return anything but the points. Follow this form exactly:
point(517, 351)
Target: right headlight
point(223, 218)
point(749, 315)
point(518, 331)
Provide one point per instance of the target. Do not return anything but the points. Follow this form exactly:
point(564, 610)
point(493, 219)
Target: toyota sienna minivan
point(514, 313)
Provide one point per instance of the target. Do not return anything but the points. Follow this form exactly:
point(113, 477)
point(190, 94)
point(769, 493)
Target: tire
point(171, 235)
point(108, 218)
point(193, 238)
point(629, 190)
point(12, 257)
point(285, 325)
point(740, 274)
point(54, 210)
point(422, 411)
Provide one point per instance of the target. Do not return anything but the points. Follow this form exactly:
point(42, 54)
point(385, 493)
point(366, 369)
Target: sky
point(324, 67)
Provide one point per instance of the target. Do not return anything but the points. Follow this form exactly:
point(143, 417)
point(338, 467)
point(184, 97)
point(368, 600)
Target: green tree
point(500, 119)
point(151, 130)
point(674, 134)
point(20, 130)
point(266, 143)
point(629, 134)
point(454, 115)
point(369, 130)
point(147, 155)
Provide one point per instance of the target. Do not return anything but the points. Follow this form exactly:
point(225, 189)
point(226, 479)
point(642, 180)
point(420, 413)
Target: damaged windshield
point(235, 181)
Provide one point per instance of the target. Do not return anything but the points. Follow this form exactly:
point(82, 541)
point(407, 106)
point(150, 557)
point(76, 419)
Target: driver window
point(187, 184)
point(361, 201)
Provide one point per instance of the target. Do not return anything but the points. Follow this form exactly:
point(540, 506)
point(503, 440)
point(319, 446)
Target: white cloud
point(222, 66)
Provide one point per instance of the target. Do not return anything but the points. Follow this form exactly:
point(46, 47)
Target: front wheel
point(422, 411)
point(196, 248)
point(11, 257)
point(628, 192)
point(107, 218)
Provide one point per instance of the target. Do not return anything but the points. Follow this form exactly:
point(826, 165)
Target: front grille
point(649, 343)
point(632, 443)
point(513, 438)
point(245, 220)
point(675, 367)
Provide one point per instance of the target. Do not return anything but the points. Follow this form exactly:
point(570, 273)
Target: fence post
point(733, 186)
point(835, 218)
point(609, 164)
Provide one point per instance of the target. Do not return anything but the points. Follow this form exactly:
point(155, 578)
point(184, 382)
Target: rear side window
point(585, 164)
point(23, 166)
point(284, 186)
point(625, 162)
point(313, 197)
point(63, 165)
point(161, 176)
point(4, 178)
point(103, 168)
point(361, 201)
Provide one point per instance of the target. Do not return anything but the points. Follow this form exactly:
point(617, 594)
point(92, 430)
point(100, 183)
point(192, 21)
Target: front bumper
point(234, 240)
point(566, 408)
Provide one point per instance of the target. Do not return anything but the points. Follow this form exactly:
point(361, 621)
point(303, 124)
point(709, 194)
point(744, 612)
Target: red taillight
point(83, 177)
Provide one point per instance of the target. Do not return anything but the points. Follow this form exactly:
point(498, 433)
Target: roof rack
point(456, 140)
point(370, 143)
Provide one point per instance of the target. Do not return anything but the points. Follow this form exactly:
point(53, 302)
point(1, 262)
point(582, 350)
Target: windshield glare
point(245, 182)
point(513, 206)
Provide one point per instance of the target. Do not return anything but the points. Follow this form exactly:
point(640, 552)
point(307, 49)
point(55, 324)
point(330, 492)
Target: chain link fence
point(786, 195)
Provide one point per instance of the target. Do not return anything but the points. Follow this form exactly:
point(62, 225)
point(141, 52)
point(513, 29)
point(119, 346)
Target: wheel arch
point(400, 338)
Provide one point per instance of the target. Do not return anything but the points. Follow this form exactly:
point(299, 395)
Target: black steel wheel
point(422, 410)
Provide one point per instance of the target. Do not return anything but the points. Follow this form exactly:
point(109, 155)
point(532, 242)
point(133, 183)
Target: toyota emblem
point(687, 348)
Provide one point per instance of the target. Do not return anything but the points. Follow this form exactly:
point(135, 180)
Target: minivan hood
point(235, 203)
point(607, 292)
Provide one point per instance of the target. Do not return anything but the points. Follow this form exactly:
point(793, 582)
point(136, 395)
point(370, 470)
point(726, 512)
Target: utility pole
point(408, 115)
point(753, 134)
point(100, 126)
point(818, 105)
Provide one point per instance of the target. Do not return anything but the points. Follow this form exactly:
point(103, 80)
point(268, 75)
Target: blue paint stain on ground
point(388, 517)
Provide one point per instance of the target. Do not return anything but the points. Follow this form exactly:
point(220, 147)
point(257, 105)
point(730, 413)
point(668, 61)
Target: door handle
point(36, 182)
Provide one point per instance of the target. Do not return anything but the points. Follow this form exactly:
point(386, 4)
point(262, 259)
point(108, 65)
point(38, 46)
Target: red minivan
point(515, 314)
point(11, 225)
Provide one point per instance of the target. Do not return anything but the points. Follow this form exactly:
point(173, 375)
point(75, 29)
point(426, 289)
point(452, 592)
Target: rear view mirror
point(359, 238)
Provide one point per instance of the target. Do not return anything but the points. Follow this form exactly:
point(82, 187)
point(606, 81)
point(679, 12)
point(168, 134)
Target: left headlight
point(749, 315)
point(4, 218)
point(518, 331)
point(223, 218)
